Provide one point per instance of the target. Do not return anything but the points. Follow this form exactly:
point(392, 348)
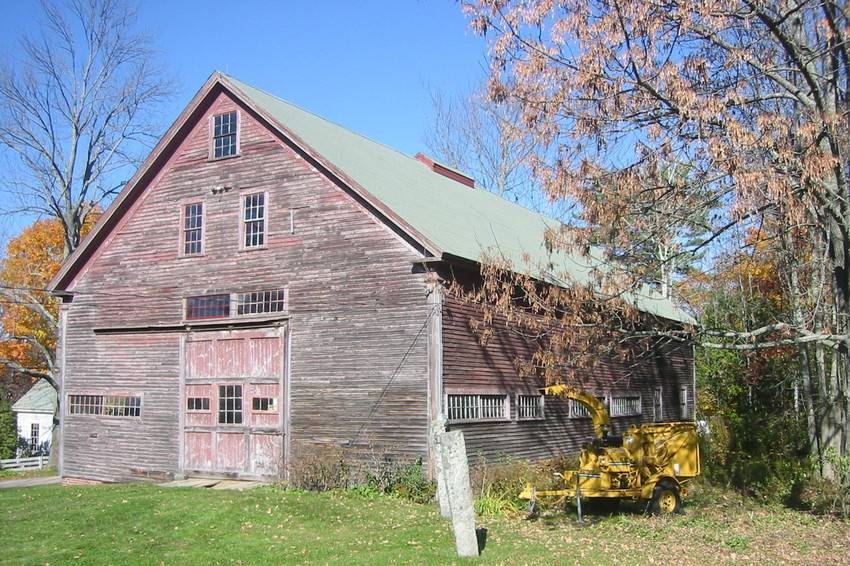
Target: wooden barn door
point(233, 403)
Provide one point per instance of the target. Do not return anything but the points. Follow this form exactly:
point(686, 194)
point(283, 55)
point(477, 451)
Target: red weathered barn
point(270, 278)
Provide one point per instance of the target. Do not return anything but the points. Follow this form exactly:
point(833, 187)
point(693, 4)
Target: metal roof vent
point(446, 171)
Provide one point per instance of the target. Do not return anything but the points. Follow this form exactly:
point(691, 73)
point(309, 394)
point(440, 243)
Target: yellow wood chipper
point(650, 463)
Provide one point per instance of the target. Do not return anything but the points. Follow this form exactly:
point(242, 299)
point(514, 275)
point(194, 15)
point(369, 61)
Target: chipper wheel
point(666, 499)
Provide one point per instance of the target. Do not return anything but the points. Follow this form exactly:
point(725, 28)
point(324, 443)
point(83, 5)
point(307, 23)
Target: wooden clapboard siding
point(356, 306)
point(470, 367)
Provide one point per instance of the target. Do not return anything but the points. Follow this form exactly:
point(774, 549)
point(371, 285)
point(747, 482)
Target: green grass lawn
point(144, 524)
point(19, 475)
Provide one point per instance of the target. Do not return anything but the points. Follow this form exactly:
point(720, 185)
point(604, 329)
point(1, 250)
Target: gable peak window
point(254, 220)
point(224, 134)
point(193, 228)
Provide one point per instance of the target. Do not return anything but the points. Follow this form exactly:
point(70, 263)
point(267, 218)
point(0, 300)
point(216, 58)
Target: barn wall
point(469, 367)
point(356, 306)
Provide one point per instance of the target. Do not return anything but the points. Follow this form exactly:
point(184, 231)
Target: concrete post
point(438, 427)
point(456, 471)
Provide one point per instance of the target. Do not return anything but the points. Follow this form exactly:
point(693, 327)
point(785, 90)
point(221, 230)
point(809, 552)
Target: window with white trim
point(683, 402)
point(230, 404)
point(579, 411)
point(624, 405)
point(193, 228)
point(254, 220)
point(34, 437)
point(529, 407)
point(476, 407)
point(224, 135)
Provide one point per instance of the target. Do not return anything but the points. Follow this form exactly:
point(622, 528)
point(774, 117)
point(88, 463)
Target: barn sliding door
point(233, 403)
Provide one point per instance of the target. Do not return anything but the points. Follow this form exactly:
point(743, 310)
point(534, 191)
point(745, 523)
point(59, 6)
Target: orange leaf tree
point(752, 95)
point(30, 315)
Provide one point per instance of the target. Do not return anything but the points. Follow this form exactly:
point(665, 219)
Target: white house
point(35, 412)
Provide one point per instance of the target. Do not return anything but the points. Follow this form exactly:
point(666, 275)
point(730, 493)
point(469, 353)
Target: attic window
point(224, 135)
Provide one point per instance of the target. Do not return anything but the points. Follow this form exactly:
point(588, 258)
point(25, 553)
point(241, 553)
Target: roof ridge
point(543, 216)
point(311, 113)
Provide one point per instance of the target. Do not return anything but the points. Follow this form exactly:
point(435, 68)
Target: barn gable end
point(347, 277)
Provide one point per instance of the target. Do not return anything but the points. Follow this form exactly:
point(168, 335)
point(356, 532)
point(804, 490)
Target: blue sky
point(367, 65)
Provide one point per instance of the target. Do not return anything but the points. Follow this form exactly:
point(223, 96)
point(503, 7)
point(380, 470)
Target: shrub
point(496, 486)
point(405, 479)
point(825, 496)
point(319, 467)
point(8, 431)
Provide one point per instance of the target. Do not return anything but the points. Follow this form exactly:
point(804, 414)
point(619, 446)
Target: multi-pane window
point(579, 411)
point(109, 405)
point(224, 135)
point(230, 404)
point(529, 407)
point(476, 407)
point(258, 302)
point(224, 304)
point(122, 406)
point(254, 220)
point(263, 404)
point(208, 306)
point(34, 437)
point(625, 405)
point(193, 228)
point(85, 404)
point(201, 404)
point(683, 402)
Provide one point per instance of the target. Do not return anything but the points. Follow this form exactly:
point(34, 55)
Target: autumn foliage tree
point(753, 96)
point(30, 315)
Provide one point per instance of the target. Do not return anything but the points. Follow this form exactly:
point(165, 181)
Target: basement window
point(108, 405)
point(477, 407)
point(579, 411)
point(230, 404)
point(198, 404)
point(224, 135)
point(208, 306)
point(264, 404)
point(529, 407)
point(625, 405)
point(122, 406)
point(85, 404)
point(193, 229)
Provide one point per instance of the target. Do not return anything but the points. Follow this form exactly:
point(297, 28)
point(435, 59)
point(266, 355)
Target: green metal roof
point(462, 221)
point(41, 398)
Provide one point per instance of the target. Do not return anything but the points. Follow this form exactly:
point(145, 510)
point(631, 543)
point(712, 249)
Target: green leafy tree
point(8, 430)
